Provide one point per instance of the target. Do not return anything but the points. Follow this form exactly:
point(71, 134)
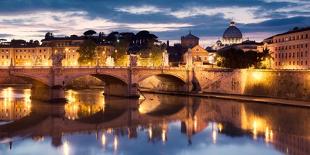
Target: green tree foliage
point(237, 58)
point(87, 51)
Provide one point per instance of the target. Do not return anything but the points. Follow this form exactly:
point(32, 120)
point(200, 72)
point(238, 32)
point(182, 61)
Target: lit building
point(189, 41)
point(34, 54)
point(290, 50)
point(232, 35)
point(248, 45)
point(25, 55)
point(196, 56)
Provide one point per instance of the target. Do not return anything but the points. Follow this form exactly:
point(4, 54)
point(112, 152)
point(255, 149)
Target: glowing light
point(27, 95)
point(66, 148)
point(214, 136)
point(257, 76)
point(115, 143)
point(220, 127)
point(7, 93)
point(211, 58)
point(195, 123)
point(268, 135)
point(214, 132)
point(103, 139)
point(110, 61)
point(150, 132)
point(255, 129)
point(71, 96)
point(164, 135)
point(28, 64)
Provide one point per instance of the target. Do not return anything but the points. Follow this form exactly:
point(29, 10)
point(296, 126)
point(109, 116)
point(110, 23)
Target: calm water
point(90, 124)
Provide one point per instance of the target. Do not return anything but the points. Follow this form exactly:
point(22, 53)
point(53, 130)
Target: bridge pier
point(121, 90)
point(54, 94)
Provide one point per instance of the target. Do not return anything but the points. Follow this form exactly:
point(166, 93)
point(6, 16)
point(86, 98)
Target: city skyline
point(206, 19)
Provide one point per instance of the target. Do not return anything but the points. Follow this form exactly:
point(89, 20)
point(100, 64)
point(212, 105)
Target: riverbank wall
point(286, 84)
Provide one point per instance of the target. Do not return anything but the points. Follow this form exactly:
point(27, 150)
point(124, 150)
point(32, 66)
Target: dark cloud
point(263, 16)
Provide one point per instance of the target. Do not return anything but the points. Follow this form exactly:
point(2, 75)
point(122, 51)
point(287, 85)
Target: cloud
point(239, 14)
point(140, 10)
point(286, 1)
point(31, 24)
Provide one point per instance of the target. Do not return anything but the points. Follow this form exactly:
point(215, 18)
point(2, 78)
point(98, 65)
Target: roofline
point(291, 31)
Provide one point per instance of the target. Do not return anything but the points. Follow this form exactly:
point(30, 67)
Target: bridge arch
point(162, 82)
point(103, 77)
point(33, 79)
point(114, 85)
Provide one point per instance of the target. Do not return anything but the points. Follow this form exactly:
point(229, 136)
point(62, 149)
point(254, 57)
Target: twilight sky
point(168, 19)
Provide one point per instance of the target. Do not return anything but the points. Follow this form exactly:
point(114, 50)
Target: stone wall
point(269, 83)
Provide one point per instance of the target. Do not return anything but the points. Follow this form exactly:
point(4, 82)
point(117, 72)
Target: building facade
point(40, 55)
point(290, 50)
point(196, 56)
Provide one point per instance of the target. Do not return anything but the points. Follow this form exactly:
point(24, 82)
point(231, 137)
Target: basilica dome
point(232, 35)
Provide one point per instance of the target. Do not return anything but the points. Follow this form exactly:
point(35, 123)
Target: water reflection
point(83, 105)
point(155, 124)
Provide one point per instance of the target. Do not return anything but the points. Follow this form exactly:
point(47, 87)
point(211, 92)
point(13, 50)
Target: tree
point(231, 58)
point(237, 58)
point(265, 59)
point(87, 51)
point(89, 33)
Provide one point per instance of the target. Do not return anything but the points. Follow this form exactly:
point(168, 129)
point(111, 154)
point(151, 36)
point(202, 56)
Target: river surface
point(91, 124)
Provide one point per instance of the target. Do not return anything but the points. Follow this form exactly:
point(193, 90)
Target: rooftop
point(295, 30)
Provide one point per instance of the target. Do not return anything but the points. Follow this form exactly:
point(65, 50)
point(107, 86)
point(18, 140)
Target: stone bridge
point(48, 83)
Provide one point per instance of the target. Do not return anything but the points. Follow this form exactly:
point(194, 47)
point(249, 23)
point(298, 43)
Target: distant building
point(196, 56)
point(232, 35)
point(290, 50)
point(250, 45)
point(189, 41)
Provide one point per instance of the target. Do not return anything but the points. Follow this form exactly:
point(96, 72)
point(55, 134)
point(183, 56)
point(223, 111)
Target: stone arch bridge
point(48, 83)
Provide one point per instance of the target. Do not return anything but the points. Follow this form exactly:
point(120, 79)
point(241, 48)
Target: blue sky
point(169, 19)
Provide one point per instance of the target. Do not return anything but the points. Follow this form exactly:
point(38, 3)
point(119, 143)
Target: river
point(91, 124)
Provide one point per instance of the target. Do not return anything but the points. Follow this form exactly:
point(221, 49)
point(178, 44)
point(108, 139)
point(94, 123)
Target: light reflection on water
point(156, 124)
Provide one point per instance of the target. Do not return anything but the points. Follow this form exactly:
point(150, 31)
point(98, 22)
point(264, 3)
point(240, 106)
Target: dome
point(232, 32)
